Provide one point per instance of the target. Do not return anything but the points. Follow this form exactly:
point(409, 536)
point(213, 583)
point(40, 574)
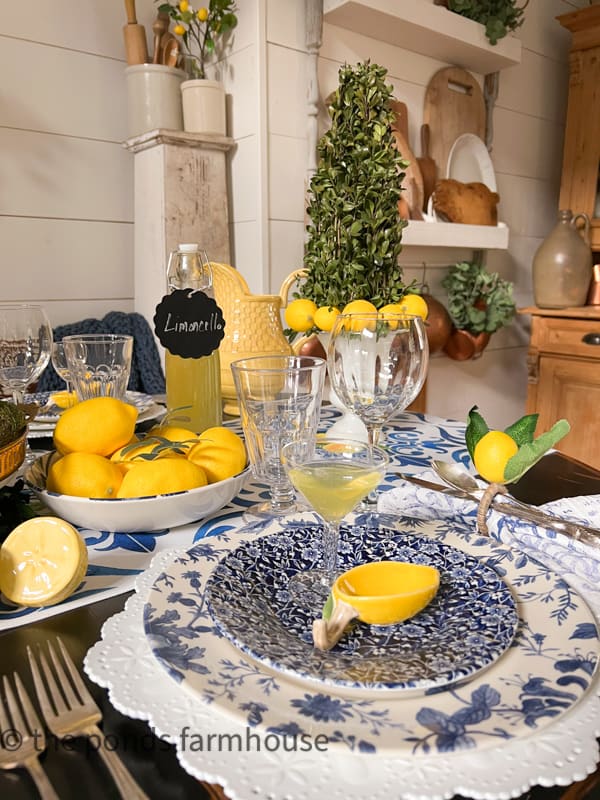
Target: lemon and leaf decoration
point(504, 456)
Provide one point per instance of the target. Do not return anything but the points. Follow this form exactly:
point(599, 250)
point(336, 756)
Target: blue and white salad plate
point(549, 667)
point(468, 625)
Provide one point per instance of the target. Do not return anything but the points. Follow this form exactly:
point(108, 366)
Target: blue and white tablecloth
point(412, 440)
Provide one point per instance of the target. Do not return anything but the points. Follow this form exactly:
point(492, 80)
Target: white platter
point(469, 162)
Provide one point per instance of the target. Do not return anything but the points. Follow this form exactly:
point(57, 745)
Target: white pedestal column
point(180, 195)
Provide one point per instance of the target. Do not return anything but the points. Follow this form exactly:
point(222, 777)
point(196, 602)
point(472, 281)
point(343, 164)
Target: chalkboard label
point(189, 323)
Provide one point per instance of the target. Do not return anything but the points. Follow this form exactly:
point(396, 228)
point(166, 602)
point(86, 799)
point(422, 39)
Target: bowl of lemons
point(102, 476)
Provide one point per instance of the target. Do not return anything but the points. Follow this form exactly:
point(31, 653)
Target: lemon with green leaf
point(504, 456)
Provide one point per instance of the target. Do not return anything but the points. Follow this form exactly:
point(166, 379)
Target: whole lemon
point(414, 305)
point(161, 476)
point(325, 317)
point(492, 453)
point(142, 450)
point(391, 309)
point(220, 452)
point(359, 307)
point(100, 425)
point(84, 475)
point(184, 438)
point(299, 314)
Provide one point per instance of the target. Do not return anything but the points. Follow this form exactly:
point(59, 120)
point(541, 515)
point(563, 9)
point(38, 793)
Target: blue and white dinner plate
point(550, 666)
point(469, 624)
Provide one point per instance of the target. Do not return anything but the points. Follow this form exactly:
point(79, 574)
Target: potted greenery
point(479, 303)
point(201, 31)
point(498, 16)
point(355, 229)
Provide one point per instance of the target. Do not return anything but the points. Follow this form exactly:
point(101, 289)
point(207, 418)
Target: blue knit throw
point(146, 371)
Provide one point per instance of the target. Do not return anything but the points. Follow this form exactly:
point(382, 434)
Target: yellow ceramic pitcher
point(252, 325)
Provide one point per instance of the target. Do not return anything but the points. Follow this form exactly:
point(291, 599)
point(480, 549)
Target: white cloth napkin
point(577, 563)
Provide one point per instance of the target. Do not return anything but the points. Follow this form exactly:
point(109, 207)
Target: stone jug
point(562, 265)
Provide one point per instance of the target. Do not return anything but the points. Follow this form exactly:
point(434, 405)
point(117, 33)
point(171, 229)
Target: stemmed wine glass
point(377, 365)
point(333, 475)
point(59, 362)
point(25, 347)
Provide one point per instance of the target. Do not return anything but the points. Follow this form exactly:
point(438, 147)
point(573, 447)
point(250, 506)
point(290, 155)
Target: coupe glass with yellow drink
point(333, 475)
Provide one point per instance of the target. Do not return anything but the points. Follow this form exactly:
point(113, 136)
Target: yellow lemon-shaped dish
point(42, 562)
point(385, 592)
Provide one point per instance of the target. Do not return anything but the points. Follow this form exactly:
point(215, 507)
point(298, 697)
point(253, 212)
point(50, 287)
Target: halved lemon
point(42, 562)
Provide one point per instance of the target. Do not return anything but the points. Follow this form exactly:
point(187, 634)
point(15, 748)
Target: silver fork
point(22, 740)
point(73, 712)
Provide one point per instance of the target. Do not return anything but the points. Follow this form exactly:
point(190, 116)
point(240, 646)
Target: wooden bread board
point(413, 180)
point(454, 105)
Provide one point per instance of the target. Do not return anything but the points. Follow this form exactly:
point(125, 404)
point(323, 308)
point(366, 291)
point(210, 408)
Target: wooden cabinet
point(580, 182)
point(564, 376)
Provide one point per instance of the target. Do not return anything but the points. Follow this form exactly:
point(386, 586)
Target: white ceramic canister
point(153, 98)
point(204, 107)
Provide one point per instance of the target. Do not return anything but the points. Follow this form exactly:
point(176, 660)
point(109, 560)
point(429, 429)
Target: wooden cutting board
point(454, 105)
point(413, 180)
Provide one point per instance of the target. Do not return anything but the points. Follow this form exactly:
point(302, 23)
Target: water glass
point(280, 402)
point(99, 364)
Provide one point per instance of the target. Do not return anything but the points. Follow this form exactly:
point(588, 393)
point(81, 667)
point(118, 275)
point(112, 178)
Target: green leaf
point(328, 608)
point(476, 430)
point(530, 454)
point(523, 430)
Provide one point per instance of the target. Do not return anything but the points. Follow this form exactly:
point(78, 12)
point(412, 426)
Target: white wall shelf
point(421, 27)
point(452, 234)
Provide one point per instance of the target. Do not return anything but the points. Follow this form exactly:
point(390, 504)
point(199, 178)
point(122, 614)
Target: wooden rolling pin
point(136, 48)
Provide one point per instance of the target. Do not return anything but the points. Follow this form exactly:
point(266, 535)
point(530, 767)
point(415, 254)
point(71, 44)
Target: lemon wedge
point(63, 399)
point(42, 562)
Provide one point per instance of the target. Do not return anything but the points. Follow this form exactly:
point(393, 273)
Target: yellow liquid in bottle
point(194, 391)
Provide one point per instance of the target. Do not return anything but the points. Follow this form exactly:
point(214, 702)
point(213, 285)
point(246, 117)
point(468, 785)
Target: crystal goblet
point(280, 402)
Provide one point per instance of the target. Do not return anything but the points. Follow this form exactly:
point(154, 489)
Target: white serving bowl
point(133, 515)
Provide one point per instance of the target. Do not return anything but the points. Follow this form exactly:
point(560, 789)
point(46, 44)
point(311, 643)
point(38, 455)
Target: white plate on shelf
point(469, 162)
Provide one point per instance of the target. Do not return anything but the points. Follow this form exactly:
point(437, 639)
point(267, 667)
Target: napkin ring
point(484, 505)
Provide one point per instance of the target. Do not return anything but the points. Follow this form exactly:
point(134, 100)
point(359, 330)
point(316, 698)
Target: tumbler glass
point(99, 364)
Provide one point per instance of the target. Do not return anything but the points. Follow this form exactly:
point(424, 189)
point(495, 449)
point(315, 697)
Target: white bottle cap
point(189, 248)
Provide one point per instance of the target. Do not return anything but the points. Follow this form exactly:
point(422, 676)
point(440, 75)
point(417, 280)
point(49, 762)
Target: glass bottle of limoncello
point(193, 384)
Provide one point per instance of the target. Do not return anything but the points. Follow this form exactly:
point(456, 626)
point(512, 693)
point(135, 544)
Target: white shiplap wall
point(66, 189)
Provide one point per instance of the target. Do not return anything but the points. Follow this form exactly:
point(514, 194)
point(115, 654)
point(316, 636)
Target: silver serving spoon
point(455, 476)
